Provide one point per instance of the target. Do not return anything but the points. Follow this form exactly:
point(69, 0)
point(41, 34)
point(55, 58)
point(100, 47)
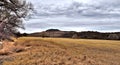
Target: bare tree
point(113, 37)
point(12, 13)
point(75, 36)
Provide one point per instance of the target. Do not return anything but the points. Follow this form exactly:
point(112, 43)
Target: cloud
point(101, 15)
point(79, 9)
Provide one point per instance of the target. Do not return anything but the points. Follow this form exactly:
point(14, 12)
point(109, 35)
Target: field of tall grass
point(64, 51)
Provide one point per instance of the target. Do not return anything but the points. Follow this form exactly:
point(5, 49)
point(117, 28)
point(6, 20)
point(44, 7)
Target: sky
point(74, 15)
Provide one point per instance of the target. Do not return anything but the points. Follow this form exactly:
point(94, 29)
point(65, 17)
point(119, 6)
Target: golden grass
point(10, 48)
point(64, 51)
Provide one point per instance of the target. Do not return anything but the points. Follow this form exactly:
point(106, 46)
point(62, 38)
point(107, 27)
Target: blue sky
point(75, 15)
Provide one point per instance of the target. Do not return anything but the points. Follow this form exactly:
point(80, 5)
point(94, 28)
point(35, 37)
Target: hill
point(81, 35)
point(64, 51)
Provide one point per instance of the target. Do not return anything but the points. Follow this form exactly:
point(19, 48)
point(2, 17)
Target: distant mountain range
point(56, 33)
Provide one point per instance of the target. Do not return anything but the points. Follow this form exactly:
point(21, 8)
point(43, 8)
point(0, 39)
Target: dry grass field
point(64, 51)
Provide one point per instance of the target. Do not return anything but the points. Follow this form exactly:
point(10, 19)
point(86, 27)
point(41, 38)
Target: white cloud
point(76, 14)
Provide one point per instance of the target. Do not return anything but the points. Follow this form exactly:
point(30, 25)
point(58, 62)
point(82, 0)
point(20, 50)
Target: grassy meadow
point(65, 51)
